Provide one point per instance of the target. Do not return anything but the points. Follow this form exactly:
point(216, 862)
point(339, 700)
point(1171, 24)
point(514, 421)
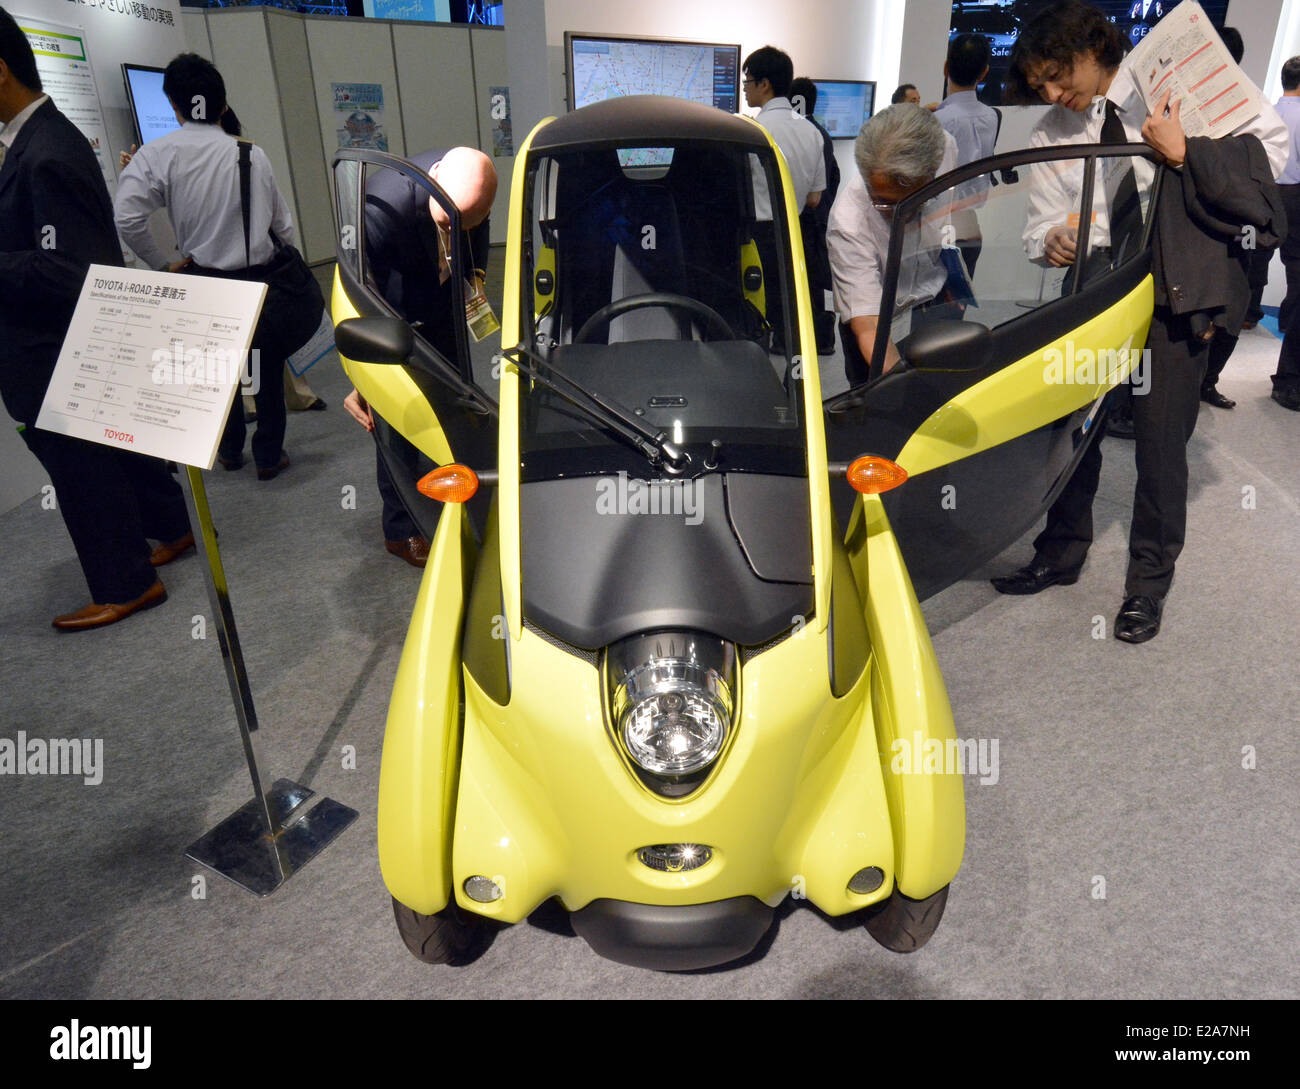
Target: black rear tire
point(904, 925)
point(450, 936)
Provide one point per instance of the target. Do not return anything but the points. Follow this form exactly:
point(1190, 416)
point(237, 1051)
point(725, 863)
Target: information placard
point(152, 362)
point(63, 63)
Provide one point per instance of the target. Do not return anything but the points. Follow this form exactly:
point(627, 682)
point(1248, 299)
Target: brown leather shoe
point(97, 616)
point(414, 550)
point(271, 474)
point(169, 550)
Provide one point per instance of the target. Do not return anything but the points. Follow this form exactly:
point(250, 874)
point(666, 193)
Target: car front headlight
point(672, 700)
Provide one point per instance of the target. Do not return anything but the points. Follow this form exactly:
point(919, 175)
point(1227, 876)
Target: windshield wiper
point(651, 444)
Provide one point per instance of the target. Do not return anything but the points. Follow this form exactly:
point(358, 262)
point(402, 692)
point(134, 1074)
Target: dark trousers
point(1221, 348)
point(398, 525)
point(1224, 343)
point(111, 500)
point(1259, 262)
point(855, 364)
point(1287, 378)
point(1290, 250)
point(970, 253)
point(1163, 421)
point(272, 416)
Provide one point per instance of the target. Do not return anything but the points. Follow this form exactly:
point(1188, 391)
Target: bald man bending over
point(408, 250)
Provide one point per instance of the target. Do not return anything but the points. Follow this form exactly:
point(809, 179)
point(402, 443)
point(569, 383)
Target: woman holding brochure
point(1073, 58)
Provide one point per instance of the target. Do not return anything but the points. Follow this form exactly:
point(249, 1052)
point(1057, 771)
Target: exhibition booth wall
point(295, 80)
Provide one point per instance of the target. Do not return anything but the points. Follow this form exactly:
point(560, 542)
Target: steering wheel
point(714, 321)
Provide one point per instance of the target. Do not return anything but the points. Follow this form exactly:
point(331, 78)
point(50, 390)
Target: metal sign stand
point(268, 839)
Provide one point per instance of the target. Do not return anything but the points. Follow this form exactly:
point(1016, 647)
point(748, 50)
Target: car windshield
point(653, 285)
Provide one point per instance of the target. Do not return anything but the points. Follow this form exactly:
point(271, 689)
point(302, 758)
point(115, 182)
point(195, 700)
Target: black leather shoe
point(317, 405)
point(1287, 398)
point(1138, 619)
point(231, 464)
point(1035, 577)
point(272, 471)
point(1211, 396)
point(1120, 426)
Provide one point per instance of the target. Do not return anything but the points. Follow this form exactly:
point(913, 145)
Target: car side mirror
point(375, 339)
point(948, 346)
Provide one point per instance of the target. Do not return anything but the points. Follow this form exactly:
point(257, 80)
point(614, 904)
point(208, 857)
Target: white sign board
point(152, 362)
point(63, 63)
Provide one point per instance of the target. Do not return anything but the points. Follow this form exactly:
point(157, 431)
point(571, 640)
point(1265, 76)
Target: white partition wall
point(308, 162)
point(435, 70)
point(280, 68)
point(354, 51)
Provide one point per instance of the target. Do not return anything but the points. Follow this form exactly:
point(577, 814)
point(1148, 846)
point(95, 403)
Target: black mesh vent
point(591, 657)
point(748, 654)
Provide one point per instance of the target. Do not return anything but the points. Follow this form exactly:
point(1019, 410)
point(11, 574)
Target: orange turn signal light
point(450, 484)
point(872, 475)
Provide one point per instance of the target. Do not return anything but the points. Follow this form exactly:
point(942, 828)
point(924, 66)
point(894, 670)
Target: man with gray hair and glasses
point(898, 151)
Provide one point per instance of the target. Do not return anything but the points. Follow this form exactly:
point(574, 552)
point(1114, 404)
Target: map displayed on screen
point(613, 68)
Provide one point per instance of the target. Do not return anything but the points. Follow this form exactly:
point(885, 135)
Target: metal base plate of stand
point(241, 849)
point(267, 840)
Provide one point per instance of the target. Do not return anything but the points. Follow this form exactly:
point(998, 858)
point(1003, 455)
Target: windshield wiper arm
point(652, 444)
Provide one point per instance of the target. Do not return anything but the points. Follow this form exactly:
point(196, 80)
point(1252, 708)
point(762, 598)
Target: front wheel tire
point(902, 924)
point(450, 936)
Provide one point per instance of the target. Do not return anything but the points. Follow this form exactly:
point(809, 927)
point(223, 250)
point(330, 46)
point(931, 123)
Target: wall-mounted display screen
point(601, 67)
point(152, 113)
point(424, 11)
point(1000, 21)
point(844, 106)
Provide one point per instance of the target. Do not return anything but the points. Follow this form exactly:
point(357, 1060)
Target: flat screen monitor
point(601, 67)
point(844, 106)
point(152, 113)
point(1000, 22)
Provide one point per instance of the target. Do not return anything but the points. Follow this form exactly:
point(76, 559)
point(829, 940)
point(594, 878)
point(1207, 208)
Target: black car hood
point(726, 554)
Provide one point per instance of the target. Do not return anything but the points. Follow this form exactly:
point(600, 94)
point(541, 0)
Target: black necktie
point(1125, 207)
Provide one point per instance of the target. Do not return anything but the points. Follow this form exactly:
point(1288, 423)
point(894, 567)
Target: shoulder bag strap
point(245, 168)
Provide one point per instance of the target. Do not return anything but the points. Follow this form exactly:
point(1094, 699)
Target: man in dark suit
point(813, 222)
point(408, 239)
point(56, 220)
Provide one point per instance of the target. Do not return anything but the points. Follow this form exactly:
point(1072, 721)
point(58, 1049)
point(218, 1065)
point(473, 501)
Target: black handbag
point(294, 303)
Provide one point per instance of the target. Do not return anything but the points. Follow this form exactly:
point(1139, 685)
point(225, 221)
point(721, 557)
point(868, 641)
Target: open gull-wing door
point(429, 409)
point(1006, 359)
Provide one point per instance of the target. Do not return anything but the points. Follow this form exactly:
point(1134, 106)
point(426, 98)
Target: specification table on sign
point(152, 361)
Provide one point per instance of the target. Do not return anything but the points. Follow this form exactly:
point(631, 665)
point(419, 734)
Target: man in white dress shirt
point(768, 73)
point(193, 172)
point(1095, 100)
point(898, 151)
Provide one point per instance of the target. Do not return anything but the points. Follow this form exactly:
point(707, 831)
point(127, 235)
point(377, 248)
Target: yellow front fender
point(421, 761)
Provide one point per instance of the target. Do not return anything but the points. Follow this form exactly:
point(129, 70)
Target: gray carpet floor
point(1117, 763)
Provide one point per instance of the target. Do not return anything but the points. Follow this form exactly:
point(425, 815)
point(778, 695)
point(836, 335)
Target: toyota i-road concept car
point(667, 660)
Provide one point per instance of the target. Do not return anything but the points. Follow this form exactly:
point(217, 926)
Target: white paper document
point(152, 362)
point(1184, 55)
